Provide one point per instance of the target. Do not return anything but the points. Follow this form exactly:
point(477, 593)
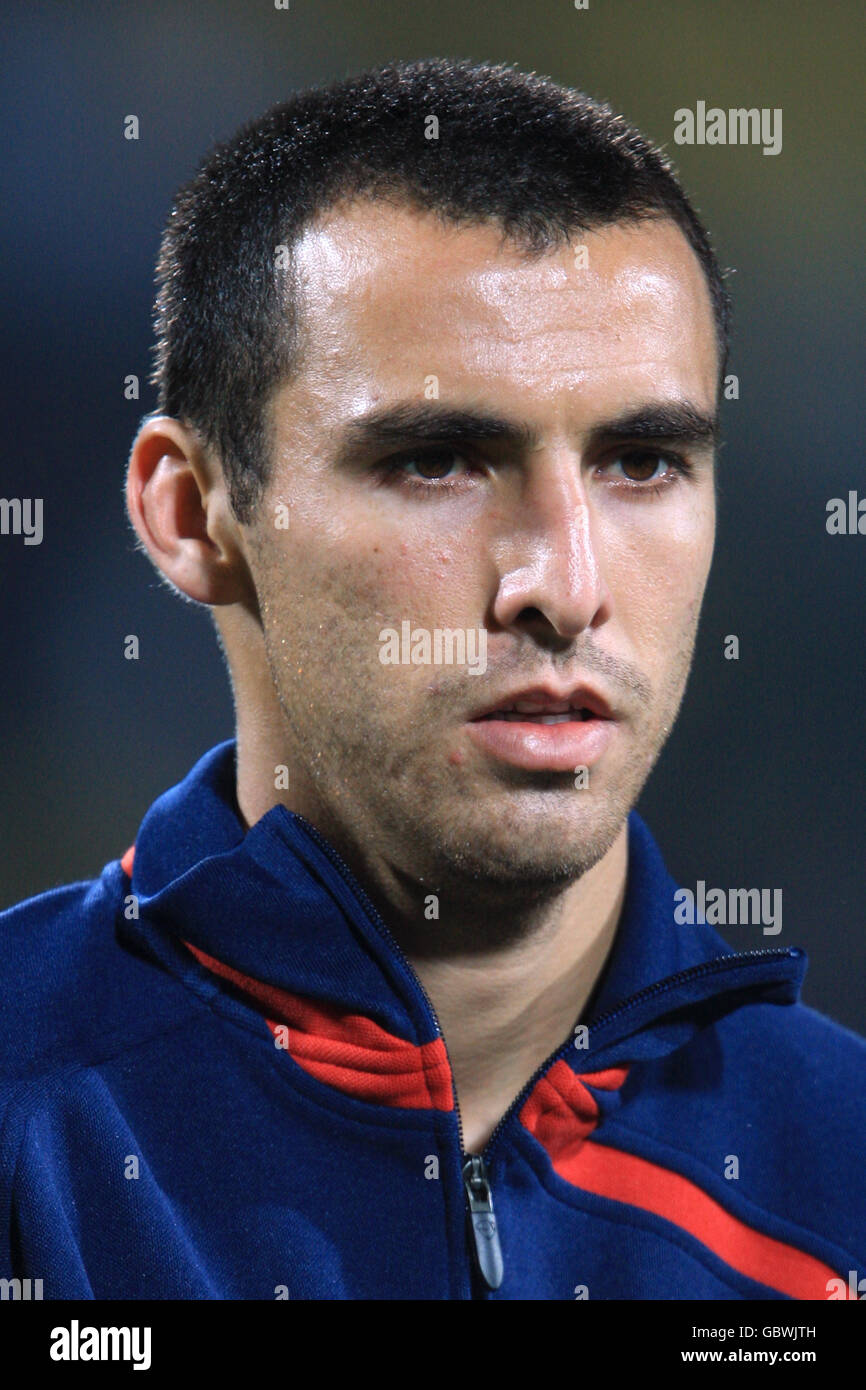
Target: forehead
point(394, 295)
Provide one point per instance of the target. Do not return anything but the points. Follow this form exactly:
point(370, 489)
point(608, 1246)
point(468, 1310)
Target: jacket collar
point(277, 905)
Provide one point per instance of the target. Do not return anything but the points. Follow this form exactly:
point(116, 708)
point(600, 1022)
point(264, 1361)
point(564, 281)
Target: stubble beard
point(387, 793)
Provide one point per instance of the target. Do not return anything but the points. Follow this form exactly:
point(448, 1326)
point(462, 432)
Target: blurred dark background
point(764, 781)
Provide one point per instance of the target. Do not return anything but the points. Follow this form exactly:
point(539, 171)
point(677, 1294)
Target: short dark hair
point(540, 160)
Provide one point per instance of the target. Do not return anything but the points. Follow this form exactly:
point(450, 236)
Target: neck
point(505, 1011)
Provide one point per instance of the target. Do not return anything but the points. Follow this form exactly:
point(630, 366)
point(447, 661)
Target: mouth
point(519, 715)
point(543, 705)
point(544, 729)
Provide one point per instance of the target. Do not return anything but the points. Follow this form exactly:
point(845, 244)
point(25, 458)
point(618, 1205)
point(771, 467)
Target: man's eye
point(431, 466)
point(647, 465)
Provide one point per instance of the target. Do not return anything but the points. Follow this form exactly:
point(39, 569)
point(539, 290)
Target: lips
point(544, 729)
point(544, 706)
point(520, 715)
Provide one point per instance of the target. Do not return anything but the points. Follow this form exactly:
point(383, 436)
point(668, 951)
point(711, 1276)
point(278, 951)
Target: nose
point(548, 553)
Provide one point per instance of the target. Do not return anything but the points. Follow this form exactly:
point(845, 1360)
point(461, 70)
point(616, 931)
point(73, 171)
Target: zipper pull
point(485, 1234)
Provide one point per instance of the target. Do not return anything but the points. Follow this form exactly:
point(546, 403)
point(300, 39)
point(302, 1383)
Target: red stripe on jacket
point(561, 1113)
point(354, 1055)
point(347, 1051)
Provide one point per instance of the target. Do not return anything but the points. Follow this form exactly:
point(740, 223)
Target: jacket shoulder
point(792, 1073)
point(802, 1041)
point(71, 991)
point(778, 1088)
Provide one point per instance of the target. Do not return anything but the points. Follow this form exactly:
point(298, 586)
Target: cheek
point(356, 581)
point(657, 577)
point(423, 579)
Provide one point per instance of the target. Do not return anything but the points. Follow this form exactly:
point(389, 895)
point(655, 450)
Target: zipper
point(373, 912)
point(712, 967)
point(709, 967)
point(481, 1219)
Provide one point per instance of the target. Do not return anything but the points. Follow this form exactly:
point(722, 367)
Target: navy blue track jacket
point(221, 1079)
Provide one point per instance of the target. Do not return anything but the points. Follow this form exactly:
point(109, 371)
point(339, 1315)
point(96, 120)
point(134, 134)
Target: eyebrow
point(412, 422)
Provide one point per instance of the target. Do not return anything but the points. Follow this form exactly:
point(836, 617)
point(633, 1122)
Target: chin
point(532, 850)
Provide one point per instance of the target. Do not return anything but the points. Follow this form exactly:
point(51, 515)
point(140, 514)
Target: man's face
point(564, 531)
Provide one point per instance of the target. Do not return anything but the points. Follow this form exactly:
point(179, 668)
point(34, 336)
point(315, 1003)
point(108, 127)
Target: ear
point(178, 503)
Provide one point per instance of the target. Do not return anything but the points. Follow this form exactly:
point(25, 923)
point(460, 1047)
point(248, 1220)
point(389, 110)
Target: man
point(391, 998)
